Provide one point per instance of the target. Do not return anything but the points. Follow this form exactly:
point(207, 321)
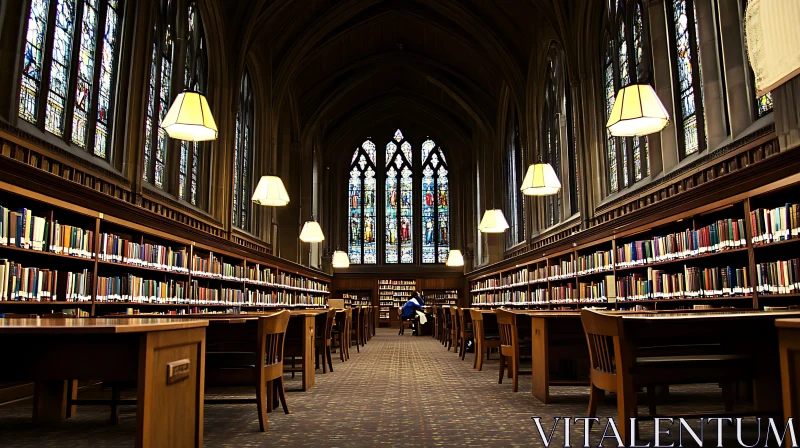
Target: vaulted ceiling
point(340, 64)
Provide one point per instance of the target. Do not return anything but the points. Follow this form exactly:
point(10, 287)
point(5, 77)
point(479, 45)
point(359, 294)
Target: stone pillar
point(662, 78)
point(713, 102)
point(786, 108)
point(740, 97)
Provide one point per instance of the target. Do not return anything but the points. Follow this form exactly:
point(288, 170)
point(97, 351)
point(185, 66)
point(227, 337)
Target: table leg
point(540, 371)
point(50, 402)
point(308, 379)
point(170, 413)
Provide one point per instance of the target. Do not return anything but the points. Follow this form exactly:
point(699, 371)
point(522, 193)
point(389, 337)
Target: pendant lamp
point(312, 232)
point(493, 222)
point(637, 111)
point(340, 260)
point(454, 258)
point(189, 118)
point(540, 180)
point(270, 191)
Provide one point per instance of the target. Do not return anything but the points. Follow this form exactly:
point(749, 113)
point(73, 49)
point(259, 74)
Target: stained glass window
point(75, 25)
point(243, 157)
point(194, 76)
point(514, 171)
point(399, 201)
point(362, 206)
point(435, 204)
point(688, 73)
point(626, 60)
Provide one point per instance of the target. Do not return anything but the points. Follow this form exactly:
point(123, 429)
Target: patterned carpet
point(399, 391)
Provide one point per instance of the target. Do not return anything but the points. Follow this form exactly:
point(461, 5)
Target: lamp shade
point(454, 258)
point(493, 222)
point(540, 180)
point(312, 233)
point(270, 191)
point(340, 260)
point(189, 118)
point(637, 111)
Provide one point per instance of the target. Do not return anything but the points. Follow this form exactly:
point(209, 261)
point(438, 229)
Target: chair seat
point(491, 337)
point(649, 360)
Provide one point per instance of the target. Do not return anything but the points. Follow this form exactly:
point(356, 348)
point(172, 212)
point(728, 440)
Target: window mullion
point(44, 83)
point(91, 121)
point(156, 101)
point(69, 101)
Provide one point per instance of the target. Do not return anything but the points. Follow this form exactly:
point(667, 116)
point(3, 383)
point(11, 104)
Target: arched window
point(78, 88)
point(514, 170)
point(626, 60)
point(362, 216)
point(159, 95)
point(687, 74)
point(243, 157)
point(558, 142)
point(399, 200)
point(195, 75)
point(435, 204)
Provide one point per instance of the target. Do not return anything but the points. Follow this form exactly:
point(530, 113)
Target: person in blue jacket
point(409, 310)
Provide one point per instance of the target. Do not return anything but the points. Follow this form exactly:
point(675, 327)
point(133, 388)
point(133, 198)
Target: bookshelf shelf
point(177, 271)
point(683, 260)
point(775, 243)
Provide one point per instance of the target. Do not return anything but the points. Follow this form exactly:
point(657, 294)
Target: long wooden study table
point(748, 332)
point(227, 327)
point(164, 357)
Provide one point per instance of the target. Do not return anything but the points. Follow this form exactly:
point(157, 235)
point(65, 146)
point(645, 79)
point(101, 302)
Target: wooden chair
point(447, 334)
point(367, 310)
point(616, 367)
point(483, 341)
point(406, 322)
point(339, 334)
point(454, 330)
point(373, 322)
point(347, 334)
point(465, 328)
point(357, 326)
point(435, 323)
point(512, 349)
point(260, 368)
point(322, 340)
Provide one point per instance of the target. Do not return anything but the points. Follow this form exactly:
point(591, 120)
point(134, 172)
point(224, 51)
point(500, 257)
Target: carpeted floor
point(399, 391)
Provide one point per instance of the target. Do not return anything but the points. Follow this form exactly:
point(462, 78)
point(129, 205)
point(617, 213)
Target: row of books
point(487, 283)
point(592, 291)
point(518, 277)
point(255, 274)
point(778, 277)
point(563, 293)
point(21, 229)
point(720, 235)
point(206, 267)
point(135, 289)
point(600, 261)
point(776, 224)
point(563, 269)
point(19, 283)
point(114, 248)
point(693, 282)
point(296, 281)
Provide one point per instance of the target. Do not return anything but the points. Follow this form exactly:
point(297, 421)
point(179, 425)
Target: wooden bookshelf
point(731, 253)
point(440, 297)
point(66, 256)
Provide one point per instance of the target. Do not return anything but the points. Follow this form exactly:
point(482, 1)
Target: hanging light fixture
point(340, 260)
point(454, 258)
point(312, 232)
point(493, 222)
point(189, 118)
point(270, 191)
point(540, 180)
point(637, 111)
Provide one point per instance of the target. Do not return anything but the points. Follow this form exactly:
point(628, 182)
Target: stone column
point(713, 102)
point(740, 95)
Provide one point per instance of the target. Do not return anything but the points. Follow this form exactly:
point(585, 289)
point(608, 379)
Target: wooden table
point(752, 333)
point(300, 330)
point(789, 349)
point(52, 351)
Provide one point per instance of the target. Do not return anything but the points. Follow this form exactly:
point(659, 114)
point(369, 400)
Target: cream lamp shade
point(540, 180)
point(454, 258)
point(311, 233)
point(270, 191)
point(340, 260)
point(493, 222)
point(637, 111)
point(189, 118)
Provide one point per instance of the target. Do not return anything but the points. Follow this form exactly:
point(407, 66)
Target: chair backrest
point(608, 352)
point(465, 321)
point(357, 320)
point(454, 318)
point(507, 325)
point(341, 321)
point(366, 313)
point(329, 319)
point(448, 321)
point(477, 323)
point(348, 321)
point(271, 336)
